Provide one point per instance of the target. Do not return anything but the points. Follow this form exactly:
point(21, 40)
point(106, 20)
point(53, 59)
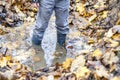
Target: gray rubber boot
point(61, 39)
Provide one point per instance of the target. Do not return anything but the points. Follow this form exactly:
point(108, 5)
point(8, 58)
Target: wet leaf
point(2, 32)
point(36, 59)
point(115, 78)
point(105, 13)
point(79, 61)
point(91, 41)
point(92, 18)
point(97, 53)
point(101, 71)
point(118, 22)
point(82, 72)
point(113, 43)
point(43, 78)
point(67, 63)
point(116, 37)
point(110, 33)
point(4, 60)
point(80, 8)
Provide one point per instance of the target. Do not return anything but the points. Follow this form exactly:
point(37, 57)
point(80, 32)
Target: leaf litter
point(93, 48)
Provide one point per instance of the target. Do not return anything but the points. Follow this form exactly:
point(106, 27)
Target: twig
point(5, 51)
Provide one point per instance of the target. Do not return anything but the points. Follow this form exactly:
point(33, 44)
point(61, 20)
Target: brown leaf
point(116, 37)
point(2, 32)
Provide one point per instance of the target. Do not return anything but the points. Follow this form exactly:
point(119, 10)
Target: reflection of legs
point(38, 59)
point(61, 13)
point(45, 11)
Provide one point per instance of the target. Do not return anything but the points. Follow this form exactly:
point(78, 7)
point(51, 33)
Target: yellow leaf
point(17, 9)
point(91, 41)
point(118, 22)
point(112, 67)
point(77, 1)
point(104, 15)
point(82, 72)
point(4, 60)
point(99, 4)
point(67, 63)
point(97, 53)
point(8, 58)
point(92, 17)
point(42, 78)
point(3, 63)
point(2, 32)
point(15, 66)
point(113, 43)
point(80, 8)
point(116, 37)
point(116, 78)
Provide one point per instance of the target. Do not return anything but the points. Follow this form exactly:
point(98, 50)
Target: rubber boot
point(36, 41)
point(61, 39)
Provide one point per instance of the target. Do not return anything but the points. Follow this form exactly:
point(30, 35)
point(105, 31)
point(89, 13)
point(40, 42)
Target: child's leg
point(61, 13)
point(45, 10)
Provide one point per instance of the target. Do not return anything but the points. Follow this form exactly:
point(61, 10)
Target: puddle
point(40, 61)
point(18, 42)
point(49, 55)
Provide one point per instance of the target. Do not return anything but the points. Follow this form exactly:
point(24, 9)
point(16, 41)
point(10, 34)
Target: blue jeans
point(46, 8)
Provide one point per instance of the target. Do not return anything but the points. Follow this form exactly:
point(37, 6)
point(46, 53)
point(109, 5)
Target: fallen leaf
point(101, 71)
point(116, 37)
point(97, 53)
point(118, 22)
point(82, 72)
point(110, 33)
point(80, 8)
point(113, 43)
point(36, 59)
point(67, 63)
point(115, 78)
point(43, 78)
point(79, 61)
point(2, 32)
point(105, 13)
point(90, 19)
